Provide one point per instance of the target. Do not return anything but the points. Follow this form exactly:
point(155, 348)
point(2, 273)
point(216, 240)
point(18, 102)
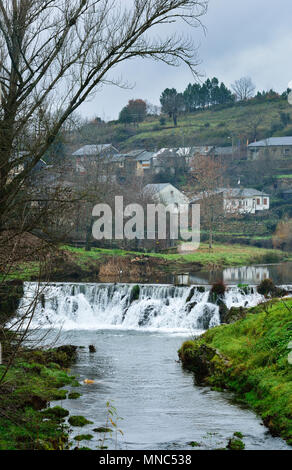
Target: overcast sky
point(243, 38)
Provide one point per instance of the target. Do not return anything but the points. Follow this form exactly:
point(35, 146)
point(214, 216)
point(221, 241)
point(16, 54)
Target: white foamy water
point(106, 306)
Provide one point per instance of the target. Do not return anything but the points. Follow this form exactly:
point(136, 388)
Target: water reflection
point(280, 273)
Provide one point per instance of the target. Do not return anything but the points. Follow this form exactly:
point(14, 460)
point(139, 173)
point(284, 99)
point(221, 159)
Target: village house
point(166, 194)
point(143, 161)
point(88, 155)
point(274, 147)
point(238, 200)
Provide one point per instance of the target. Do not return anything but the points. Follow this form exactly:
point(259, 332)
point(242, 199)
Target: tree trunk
point(88, 240)
point(210, 238)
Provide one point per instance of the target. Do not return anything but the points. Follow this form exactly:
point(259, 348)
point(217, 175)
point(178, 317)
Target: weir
point(127, 306)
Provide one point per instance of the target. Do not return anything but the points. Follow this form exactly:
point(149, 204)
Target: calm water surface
point(161, 406)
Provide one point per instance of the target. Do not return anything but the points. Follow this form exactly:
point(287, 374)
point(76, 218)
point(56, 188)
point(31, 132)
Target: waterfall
point(151, 307)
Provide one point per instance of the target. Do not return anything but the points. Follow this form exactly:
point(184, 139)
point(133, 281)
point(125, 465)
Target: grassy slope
point(211, 127)
point(258, 369)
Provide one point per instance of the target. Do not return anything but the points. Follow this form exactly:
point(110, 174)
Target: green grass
point(221, 254)
point(283, 176)
point(23, 271)
point(257, 370)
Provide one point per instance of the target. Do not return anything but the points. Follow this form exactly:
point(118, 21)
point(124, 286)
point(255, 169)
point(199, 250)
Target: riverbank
point(32, 382)
point(103, 265)
point(250, 358)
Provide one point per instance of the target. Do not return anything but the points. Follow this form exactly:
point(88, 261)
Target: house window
point(258, 202)
point(265, 201)
point(287, 151)
point(172, 193)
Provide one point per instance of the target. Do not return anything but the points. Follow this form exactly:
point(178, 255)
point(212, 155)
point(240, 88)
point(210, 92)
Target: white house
point(166, 194)
point(245, 200)
point(238, 200)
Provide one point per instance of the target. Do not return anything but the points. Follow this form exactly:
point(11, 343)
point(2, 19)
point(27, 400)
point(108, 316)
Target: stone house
point(274, 147)
point(90, 155)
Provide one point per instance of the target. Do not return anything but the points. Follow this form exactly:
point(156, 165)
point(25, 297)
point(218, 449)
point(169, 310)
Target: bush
point(217, 291)
point(266, 287)
point(135, 293)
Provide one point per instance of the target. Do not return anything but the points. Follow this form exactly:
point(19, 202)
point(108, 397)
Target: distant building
point(143, 161)
point(166, 194)
point(89, 154)
point(238, 200)
point(225, 152)
point(274, 147)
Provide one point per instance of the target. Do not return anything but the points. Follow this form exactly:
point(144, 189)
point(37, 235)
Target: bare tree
point(54, 54)
point(252, 124)
point(206, 180)
point(243, 88)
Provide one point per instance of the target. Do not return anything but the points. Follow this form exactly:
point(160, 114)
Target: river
point(135, 365)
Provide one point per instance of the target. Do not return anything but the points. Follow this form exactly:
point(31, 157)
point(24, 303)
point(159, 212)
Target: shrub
point(135, 293)
point(266, 287)
point(217, 291)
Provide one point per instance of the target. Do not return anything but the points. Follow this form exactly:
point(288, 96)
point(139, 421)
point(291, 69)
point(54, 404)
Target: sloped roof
point(93, 150)
point(183, 151)
point(223, 150)
point(231, 193)
point(272, 141)
point(135, 153)
point(145, 156)
point(243, 192)
point(156, 188)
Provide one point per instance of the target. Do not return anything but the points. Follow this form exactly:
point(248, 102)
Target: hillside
point(215, 126)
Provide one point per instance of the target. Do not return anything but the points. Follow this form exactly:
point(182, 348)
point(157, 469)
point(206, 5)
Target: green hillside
point(215, 126)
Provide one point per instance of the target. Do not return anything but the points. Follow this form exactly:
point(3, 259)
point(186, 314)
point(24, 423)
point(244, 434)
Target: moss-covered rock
point(74, 395)
point(83, 437)
point(235, 444)
point(233, 314)
point(203, 360)
point(78, 421)
point(56, 412)
point(102, 430)
point(194, 444)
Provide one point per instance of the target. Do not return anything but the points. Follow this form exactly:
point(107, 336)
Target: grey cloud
point(244, 37)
